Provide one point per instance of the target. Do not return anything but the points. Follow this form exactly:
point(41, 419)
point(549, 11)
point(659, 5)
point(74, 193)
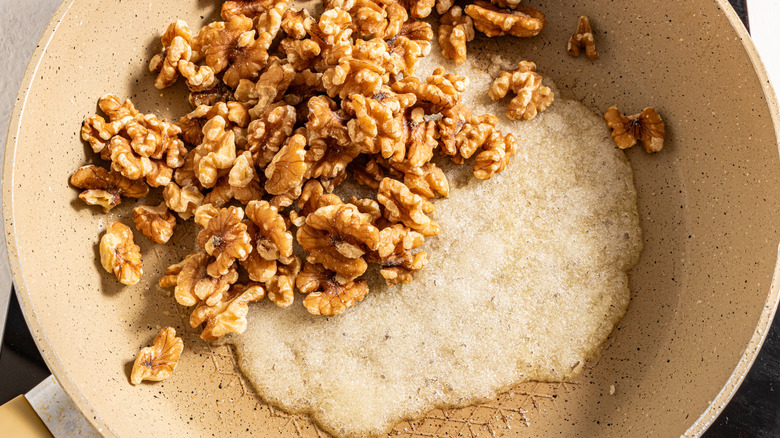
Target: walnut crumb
point(583, 38)
point(156, 363)
point(647, 127)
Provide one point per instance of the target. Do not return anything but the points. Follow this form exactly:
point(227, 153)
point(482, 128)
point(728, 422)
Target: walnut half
point(120, 255)
point(106, 187)
point(493, 21)
point(326, 296)
point(531, 96)
point(157, 362)
point(647, 126)
point(156, 223)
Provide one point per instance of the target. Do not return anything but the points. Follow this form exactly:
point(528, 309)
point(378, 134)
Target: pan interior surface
point(707, 207)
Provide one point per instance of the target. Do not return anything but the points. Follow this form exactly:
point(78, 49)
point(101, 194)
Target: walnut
point(157, 139)
point(273, 241)
point(156, 363)
point(369, 174)
point(228, 315)
point(250, 192)
point(225, 238)
point(421, 138)
point(106, 187)
point(430, 182)
point(193, 284)
point(120, 255)
point(362, 72)
point(296, 23)
point(495, 156)
point(281, 287)
point(455, 30)
point(191, 125)
point(419, 8)
point(324, 294)
point(325, 121)
point(216, 152)
point(583, 38)
point(231, 46)
point(249, 8)
point(305, 85)
point(269, 88)
point(461, 134)
point(97, 132)
point(219, 92)
point(412, 42)
point(378, 122)
point(647, 126)
point(440, 91)
point(268, 133)
point(531, 96)
point(309, 200)
point(493, 21)
point(394, 254)
point(156, 223)
point(401, 205)
point(338, 236)
point(286, 170)
point(182, 200)
point(330, 148)
point(177, 57)
point(243, 171)
point(442, 6)
point(333, 33)
point(259, 268)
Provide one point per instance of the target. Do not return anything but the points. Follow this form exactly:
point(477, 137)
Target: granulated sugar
point(525, 282)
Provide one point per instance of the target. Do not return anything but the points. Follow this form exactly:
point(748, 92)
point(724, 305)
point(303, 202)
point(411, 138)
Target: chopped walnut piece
point(412, 42)
point(259, 268)
point(495, 156)
point(281, 287)
point(377, 125)
point(182, 200)
point(430, 182)
point(228, 315)
point(274, 241)
point(193, 284)
point(225, 238)
point(647, 126)
point(324, 294)
point(156, 223)
point(493, 21)
point(337, 236)
point(308, 201)
point(216, 152)
point(268, 133)
point(531, 96)
point(362, 72)
point(401, 205)
point(583, 38)
point(286, 170)
point(156, 363)
point(106, 187)
point(330, 148)
point(120, 255)
point(455, 30)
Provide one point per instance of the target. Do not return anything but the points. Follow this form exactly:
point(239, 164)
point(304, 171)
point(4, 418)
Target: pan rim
point(697, 428)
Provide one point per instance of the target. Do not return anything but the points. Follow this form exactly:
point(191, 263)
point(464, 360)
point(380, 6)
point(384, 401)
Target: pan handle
point(18, 418)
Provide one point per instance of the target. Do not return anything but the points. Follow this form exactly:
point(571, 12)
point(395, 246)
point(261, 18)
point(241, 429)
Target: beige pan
point(702, 294)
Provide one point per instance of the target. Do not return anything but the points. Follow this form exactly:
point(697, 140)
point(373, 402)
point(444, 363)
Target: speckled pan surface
point(702, 294)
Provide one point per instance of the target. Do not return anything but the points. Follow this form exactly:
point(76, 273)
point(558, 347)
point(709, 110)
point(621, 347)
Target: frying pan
point(702, 295)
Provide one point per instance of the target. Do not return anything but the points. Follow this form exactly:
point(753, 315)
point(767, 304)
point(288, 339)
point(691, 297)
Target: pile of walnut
point(286, 106)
